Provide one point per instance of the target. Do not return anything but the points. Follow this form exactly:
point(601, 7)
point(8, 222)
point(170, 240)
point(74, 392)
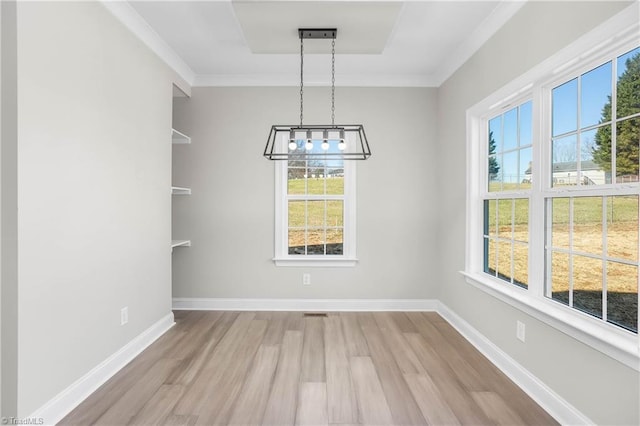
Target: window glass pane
point(504, 260)
point(504, 218)
point(334, 241)
point(315, 241)
point(587, 285)
point(490, 217)
point(296, 182)
point(627, 147)
point(495, 135)
point(587, 224)
point(595, 158)
point(628, 77)
point(524, 170)
point(315, 213)
point(297, 210)
point(510, 171)
point(564, 167)
point(622, 295)
point(560, 222)
point(520, 264)
point(521, 220)
point(316, 180)
point(510, 130)
point(565, 108)
point(495, 173)
point(560, 277)
point(490, 256)
point(525, 124)
point(622, 227)
point(297, 241)
point(595, 95)
point(335, 181)
point(335, 214)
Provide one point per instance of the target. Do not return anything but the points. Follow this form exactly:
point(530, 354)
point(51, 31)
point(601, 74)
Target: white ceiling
point(379, 43)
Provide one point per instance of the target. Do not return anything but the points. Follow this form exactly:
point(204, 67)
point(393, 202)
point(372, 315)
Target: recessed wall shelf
point(179, 138)
point(180, 243)
point(177, 190)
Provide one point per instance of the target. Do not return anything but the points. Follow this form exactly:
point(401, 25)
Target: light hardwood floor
point(284, 368)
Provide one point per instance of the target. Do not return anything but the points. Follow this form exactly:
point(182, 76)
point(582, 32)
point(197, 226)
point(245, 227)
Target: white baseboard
point(62, 404)
point(556, 406)
point(305, 304)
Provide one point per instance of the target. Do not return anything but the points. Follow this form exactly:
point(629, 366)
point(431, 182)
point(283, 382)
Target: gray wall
point(8, 211)
point(94, 155)
point(603, 389)
point(230, 215)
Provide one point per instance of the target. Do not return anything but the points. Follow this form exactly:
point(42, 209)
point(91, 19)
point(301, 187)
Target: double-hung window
point(506, 195)
point(553, 193)
point(315, 206)
point(591, 199)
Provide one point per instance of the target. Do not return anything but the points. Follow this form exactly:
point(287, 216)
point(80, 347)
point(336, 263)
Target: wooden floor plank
point(341, 399)
point(222, 358)
point(403, 322)
point(399, 398)
point(402, 352)
point(281, 406)
point(177, 420)
point(216, 368)
point(313, 365)
point(496, 409)
point(470, 377)
point(160, 406)
point(432, 403)
point(312, 405)
point(225, 386)
point(448, 384)
point(187, 372)
point(372, 403)
point(356, 343)
point(133, 399)
point(252, 400)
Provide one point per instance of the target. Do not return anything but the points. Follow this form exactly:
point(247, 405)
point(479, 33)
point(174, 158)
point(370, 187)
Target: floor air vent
point(315, 314)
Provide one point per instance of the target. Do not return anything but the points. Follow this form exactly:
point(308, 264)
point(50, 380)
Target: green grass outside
point(586, 210)
point(316, 186)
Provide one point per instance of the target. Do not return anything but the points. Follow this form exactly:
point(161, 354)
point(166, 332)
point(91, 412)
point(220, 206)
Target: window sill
point(620, 345)
point(309, 261)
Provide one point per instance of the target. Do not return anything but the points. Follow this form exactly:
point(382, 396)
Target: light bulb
point(342, 145)
point(292, 140)
point(325, 140)
point(309, 144)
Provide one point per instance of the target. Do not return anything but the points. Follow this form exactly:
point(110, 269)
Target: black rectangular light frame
point(306, 33)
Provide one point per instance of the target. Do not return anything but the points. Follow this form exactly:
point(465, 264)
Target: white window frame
point(612, 37)
point(282, 256)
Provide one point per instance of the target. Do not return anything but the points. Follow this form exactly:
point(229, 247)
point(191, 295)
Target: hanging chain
point(333, 82)
point(301, 78)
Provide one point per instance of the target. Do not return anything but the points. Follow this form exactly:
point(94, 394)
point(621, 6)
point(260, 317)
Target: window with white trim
point(315, 207)
point(553, 193)
point(506, 200)
point(591, 241)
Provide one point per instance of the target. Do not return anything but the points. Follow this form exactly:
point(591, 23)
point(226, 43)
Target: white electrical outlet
point(306, 279)
point(520, 330)
point(124, 315)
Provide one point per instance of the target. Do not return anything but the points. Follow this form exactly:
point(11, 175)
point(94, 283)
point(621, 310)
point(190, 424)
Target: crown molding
point(123, 11)
point(489, 26)
point(293, 79)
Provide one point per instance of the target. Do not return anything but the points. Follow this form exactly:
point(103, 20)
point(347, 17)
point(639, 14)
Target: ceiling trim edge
point(293, 79)
point(125, 13)
point(489, 26)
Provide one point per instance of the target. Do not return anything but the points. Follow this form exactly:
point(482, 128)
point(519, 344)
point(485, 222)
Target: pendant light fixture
point(317, 142)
